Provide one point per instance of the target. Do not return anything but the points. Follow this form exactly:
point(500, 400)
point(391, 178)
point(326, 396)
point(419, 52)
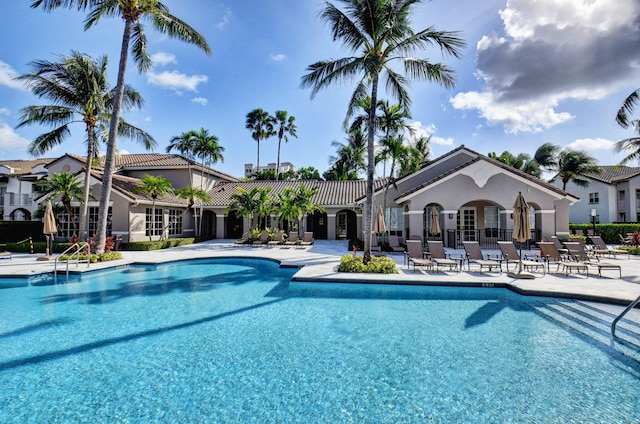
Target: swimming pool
point(233, 341)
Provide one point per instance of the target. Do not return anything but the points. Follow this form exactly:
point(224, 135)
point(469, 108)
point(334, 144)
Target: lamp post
point(593, 220)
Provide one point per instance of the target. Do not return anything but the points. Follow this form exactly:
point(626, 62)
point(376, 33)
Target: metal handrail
point(80, 248)
point(623, 313)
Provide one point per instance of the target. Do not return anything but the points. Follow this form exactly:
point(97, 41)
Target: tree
point(349, 159)
point(392, 148)
point(286, 207)
point(156, 188)
point(251, 203)
point(79, 90)
point(191, 194)
point(206, 147)
point(304, 203)
point(572, 165)
point(419, 152)
point(309, 173)
point(260, 123)
point(286, 127)
point(379, 32)
point(131, 12)
point(66, 186)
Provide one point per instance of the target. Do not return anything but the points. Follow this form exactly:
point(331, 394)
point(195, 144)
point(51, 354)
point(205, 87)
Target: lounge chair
point(5, 255)
point(246, 237)
point(559, 246)
point(292, 240)
point(264, 239)
point(511, 256)
point(277, 239)
point(307, 239)
point(577, 250)
point(394, 244)
point(475, 256)
point(601, 248)
point(551, 255)
point(415, 255)
point(440, 258)
point(375, 244)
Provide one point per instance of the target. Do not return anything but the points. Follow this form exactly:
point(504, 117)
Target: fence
point(487, 238)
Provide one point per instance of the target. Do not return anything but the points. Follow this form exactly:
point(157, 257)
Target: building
point(17, 178)
point(250, 169)
point(612, 196)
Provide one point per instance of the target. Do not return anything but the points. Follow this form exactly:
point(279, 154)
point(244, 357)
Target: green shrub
point(608, 232)
point(377, 265)
point(157, 244)
point(633, 250)
point(105, 257)
point(110, 256)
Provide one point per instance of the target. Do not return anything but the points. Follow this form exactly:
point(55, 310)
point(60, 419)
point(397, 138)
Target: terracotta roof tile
point(22, 167)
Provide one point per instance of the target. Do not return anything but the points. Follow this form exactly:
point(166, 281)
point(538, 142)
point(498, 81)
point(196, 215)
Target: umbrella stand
point(47, 256)
point(48, 231)
point(523, 275)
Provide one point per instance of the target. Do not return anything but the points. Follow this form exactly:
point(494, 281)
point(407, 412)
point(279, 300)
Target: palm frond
point(626, 108)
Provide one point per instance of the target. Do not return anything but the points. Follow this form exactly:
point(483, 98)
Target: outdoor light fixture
point(450, 216)
point(593, 220)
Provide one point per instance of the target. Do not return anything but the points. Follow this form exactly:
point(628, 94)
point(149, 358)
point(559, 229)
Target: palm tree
point(286, 127)
point(156, 188)
point(286, 207)
point(206, 147)
point(247, 203)
point(191, 194)
point(261, 125)
point(349, 159)
point(546, 155)
point(79, 90)
point(131, 11)
point(392, 148)
point(66, 186)
point(185, 145)
point(572, 165)
point(303, 201)
point(379, 31)
point(419, 152)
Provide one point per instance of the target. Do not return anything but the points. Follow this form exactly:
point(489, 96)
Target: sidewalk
point(319, 264)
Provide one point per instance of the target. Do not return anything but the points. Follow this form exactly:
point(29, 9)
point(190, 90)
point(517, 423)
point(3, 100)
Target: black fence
point(487, 238)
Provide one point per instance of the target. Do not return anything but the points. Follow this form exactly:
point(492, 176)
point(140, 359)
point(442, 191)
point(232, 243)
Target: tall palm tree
point(349, 159)
point(419, 152)
point(393, 148)
point(79, 90)
point(286, 127)
point(206, 147)
point(573, 165)
point(260, 123)
point(304, 203)
point(156, 188)
point(245, 203)
point(191, 194)
point(131, 12)
point(546, 155)
point(185, 145)
point(66, 186)
point(286, 207)
point(631, 144)
point(380, 33)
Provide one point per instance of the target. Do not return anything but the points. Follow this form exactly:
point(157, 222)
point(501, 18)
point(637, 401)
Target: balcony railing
point(20, 199)
point(487, 238)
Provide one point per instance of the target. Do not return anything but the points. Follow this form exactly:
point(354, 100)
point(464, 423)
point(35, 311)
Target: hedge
point(157, 244)
point(377, 265)
point(12, 231)
point(608, 232)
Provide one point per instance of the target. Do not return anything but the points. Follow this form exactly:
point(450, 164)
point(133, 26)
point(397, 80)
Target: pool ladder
point(623, 313)
point(79, 248)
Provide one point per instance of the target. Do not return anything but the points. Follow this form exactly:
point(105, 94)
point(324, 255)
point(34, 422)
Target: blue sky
point(533, 72)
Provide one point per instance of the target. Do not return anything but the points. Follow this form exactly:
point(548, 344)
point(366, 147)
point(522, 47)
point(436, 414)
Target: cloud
point(592, 144)
point(10, 140)
point(426, 131)
point(553, 51)
point(225, 19)
point(123, 152)
point(5, 111)
point(7, 75)
point(176, 81)
point(278, 57)
point(200, 100)
point(163, 58)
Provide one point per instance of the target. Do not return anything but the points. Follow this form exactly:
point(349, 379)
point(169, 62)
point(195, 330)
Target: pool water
point(234, 341)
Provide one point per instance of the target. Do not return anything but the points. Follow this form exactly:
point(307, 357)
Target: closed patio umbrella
point(434, 224)
point(49, 230)
point(380, 226)
point(521, 230)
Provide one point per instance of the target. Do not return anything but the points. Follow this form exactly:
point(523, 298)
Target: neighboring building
point(16, 188)
point(250, 169)
point(613, 195)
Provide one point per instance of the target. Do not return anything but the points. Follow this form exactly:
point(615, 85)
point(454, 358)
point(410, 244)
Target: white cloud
point(10, 140)
point(200, 100)
point(7, 75)
point(163, 58)
point(225, 19)
point(426, 131)
point(176, 81)
point(123, 152)
point(592, 144)
point(552, 51)
point(5, 111)
point(278, 57)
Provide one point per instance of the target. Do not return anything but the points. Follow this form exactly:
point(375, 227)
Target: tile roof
point(330, 193)
point(126, 186)
point(23, 167)
point(611, 174)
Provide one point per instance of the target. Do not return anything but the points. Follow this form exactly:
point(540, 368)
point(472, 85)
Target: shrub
point(377, 265)
point(105, 257)
point(157, 244)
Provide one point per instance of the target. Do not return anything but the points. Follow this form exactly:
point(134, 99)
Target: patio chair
point(551, 255)
point(624, 241)
point(577, 251)
point(440, 258)
point(307, 239)
point(292, 240)
point(601, 248)
point(264, 239)
point(475, 256)
point(415, 255)
point(277, 239)
point(394, 244)
point(244, 239)
point(556, 241)
point(5, 255)
point(511, 256)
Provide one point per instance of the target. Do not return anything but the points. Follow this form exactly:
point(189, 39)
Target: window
point(594, 198)
point(622, 217)
point(92, 220)
point(491, 221)
point(621, 195)
point(66, 228)
point(394, 220)
point(153, 222)
point(175, 222)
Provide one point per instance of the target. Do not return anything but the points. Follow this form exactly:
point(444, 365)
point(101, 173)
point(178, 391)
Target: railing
point(80, 247)
point(30, 243)
point(619, 317)
point(488, 238)
point(20, 199)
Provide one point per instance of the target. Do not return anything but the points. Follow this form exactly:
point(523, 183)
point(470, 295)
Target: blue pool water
point(234, 341)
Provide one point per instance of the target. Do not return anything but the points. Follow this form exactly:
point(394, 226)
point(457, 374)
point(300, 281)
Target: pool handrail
point(79, 248)
point(622, 314)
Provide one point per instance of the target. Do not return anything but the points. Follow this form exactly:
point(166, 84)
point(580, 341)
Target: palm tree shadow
point(483, 314)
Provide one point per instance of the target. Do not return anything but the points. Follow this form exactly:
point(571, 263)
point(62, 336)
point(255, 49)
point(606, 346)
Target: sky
point(532, 72)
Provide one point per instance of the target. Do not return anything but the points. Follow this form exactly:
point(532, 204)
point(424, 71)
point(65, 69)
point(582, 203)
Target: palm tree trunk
point(109, 162)
point(371, 166)
point(258, 161)
point(278, 161)
point(87, 189)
